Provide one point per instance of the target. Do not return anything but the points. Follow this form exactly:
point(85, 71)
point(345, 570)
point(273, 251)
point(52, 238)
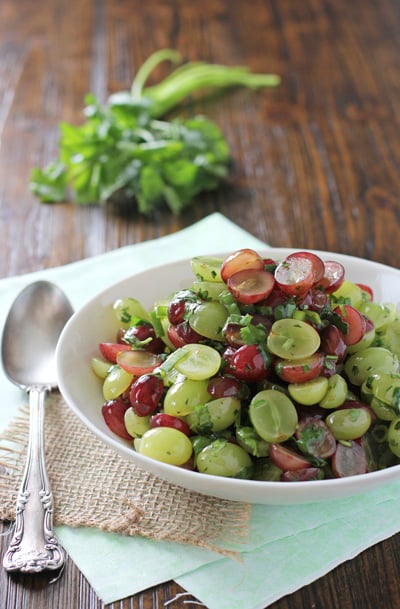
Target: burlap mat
point(94, 487)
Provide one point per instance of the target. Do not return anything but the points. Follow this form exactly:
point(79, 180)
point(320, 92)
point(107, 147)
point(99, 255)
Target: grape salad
point(274, 370)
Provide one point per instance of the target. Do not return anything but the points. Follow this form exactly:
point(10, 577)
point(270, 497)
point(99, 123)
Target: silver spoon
point(30, 336)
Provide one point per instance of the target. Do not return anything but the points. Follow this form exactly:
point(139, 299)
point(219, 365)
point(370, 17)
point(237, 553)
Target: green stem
point(149, 65)
point(196, 76)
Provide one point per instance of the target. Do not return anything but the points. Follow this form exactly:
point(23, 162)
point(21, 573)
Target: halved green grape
point(350, 292)
point(273, 415)
point(309, 393)
point(166, 444)
point(208, 289)
point(198, 361)
point(100, 367)
point(214, 416)
point(382, 392)
point(380, 314)
point(136, 426)
point(182, 397)
point(368, 361)
point(390, 337)
point(383, 411)
point(223, 458)
point(116, 382)
point(386, 387)
point(207, 268)
point(126, 309)
point(336, 393)
point(349, 423)
point(208, 319)
point(394, 436)
point(293, 339)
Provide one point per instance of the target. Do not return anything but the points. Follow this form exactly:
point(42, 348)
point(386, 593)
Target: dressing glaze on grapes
point(261, 369)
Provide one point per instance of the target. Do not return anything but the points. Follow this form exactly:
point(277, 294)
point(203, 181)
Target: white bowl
point(80, 388)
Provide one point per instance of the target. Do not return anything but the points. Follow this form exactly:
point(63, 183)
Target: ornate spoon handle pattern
point(34, 547)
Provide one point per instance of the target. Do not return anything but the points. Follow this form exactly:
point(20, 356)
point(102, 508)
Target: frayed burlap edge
point(93, 486)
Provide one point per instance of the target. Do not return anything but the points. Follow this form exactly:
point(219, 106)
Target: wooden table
point(316, 165)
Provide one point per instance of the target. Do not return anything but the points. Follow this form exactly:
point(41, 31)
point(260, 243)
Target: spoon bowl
point(32, 328)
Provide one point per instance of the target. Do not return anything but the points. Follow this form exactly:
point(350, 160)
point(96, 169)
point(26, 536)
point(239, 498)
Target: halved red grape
point(162, 419)
point(315, 438)
point(356, 323)
point(367, 289)
point(251, 286)
point(286, 458)
point(302, 475)
point(243, 259)
point(138, 361)
point(349, 459)
point(333, 276)
point(295, 276)
point(110, 350)
point(113, 413)
point(302, 370)
point(318, 266)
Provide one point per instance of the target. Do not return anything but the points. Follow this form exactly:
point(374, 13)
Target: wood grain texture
point(316, 164)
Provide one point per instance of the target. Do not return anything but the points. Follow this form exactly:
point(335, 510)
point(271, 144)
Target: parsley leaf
point(125, 151)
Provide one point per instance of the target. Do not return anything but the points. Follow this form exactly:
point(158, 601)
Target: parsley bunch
point(126, 151)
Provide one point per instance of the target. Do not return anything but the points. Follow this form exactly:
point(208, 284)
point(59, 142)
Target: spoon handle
point(33, 547)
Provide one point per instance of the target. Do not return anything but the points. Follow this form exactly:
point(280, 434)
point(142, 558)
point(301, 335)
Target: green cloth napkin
point(288, 547)
point(293, 547)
